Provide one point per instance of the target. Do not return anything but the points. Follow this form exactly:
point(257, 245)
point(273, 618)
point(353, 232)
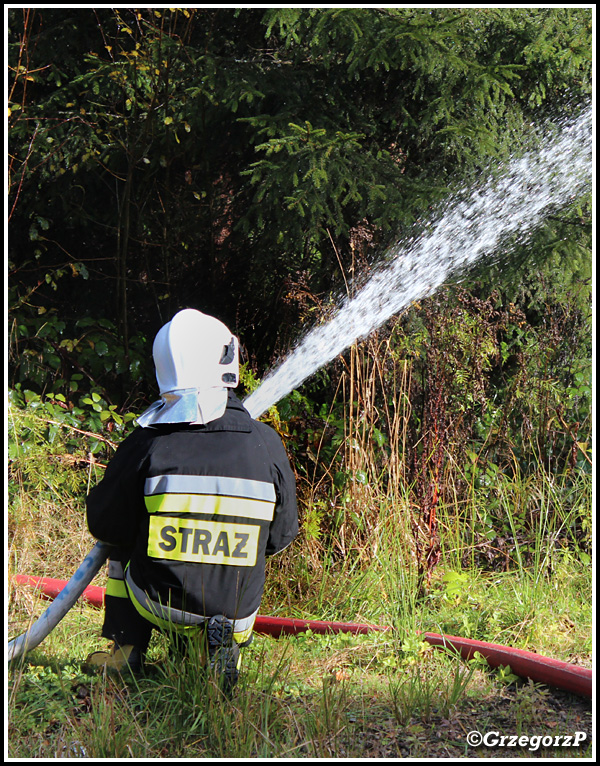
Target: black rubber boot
point(223, 652)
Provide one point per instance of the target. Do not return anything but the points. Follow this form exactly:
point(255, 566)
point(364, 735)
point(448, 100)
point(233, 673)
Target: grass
point(385, 694)
point(308, 696)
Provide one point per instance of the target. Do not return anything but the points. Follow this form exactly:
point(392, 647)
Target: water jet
point(512, 203)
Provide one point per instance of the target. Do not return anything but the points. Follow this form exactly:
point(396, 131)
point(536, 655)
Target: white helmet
point(196, 359)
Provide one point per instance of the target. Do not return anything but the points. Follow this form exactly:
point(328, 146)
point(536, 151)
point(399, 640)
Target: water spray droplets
point(512, 203)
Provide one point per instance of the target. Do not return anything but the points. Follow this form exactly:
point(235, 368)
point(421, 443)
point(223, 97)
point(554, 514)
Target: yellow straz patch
point(203, 542)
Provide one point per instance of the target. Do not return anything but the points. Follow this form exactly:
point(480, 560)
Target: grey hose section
point(61, 604)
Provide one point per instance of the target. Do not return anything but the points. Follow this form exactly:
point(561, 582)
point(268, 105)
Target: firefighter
point(194, 500)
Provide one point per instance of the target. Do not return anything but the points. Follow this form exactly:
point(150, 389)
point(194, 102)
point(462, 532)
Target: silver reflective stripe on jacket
point(210, 485)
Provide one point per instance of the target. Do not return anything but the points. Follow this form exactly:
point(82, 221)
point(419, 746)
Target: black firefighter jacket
point(200, 507)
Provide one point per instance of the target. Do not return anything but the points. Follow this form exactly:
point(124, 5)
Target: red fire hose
point(562, 675)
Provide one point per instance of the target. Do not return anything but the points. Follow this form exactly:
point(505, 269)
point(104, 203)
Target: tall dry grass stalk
point(375, 390)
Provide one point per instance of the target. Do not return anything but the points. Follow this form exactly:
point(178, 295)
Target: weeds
point(303, 696)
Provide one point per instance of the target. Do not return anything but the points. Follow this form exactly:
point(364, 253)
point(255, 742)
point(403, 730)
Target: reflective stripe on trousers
point(116, 583)
point(168, 617)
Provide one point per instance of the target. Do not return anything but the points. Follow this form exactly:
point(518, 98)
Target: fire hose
point(525, 664)
point(63, 601)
